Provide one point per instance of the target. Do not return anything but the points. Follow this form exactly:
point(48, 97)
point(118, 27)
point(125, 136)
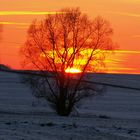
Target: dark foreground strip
point(85, 81)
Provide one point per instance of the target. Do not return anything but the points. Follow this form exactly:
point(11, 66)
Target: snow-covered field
point(114, 115)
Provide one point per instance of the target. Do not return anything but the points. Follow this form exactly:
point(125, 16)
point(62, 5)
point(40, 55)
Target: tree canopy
point(64, 42)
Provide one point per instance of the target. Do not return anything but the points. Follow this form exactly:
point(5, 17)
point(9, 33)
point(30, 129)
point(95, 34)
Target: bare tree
point(66, 40)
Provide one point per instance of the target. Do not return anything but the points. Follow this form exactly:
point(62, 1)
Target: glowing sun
point(73, 70)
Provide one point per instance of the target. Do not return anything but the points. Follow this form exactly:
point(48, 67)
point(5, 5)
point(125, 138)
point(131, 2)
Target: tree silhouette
point(66, 40)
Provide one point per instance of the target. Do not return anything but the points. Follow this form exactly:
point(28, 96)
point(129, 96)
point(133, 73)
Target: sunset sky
point(124, 16)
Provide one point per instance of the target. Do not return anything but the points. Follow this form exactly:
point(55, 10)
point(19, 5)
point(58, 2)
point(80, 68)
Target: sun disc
point(73, 70)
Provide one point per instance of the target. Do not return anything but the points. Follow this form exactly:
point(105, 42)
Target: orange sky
point(124, 16)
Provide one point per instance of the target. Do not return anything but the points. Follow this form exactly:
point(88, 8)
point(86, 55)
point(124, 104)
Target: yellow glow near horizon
point(13, 23)
point(28, 13)
point(73, 70)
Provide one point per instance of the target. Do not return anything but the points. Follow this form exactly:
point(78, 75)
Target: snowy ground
point(112, 116)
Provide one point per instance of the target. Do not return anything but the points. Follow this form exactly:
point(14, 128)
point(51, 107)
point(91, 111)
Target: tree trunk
point(63, 108)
